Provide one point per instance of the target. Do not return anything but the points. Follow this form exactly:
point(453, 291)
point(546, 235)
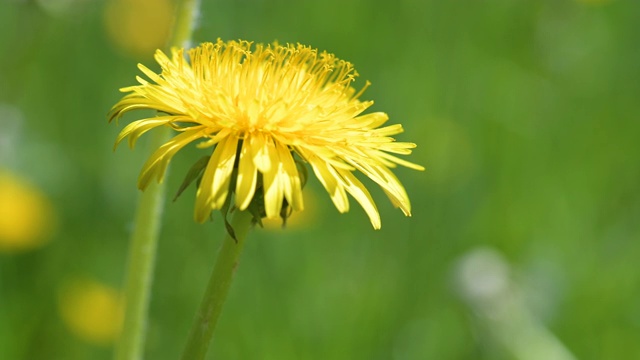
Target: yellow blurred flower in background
point(91, 310)
point(138, 27)
point(27, 218)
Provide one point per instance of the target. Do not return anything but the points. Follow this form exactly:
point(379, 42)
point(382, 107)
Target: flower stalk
point(218, 287)
point(145, 235)
point(142, 254)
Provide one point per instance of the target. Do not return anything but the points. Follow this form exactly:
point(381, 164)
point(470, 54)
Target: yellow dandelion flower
point(266, 108)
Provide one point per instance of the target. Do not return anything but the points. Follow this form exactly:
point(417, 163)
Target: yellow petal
point(327, 176)
point(290, 178)
point(227, 150)
point(389, 183)
point(135, 102)
point(402, 162)
point(212, 191)
point(159, 160)
point(139, 127)
point(215, 139)
point(273, 190)
point(362, 196)
point(388, 130)
point(247, 177)
point(160, 95)
point(260, 147)
point(402, 148)
point(370, 121)
point(151, 75)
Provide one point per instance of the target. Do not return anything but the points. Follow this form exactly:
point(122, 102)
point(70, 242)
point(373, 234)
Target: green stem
point(142, 253)
point(186, 14)
point(144, 239)
point(218, 288)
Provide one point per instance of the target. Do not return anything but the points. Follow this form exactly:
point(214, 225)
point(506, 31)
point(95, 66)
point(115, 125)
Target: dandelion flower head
point(264, 109)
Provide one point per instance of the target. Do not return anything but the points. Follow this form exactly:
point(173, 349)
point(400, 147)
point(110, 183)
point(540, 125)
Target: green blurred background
point(524, 236)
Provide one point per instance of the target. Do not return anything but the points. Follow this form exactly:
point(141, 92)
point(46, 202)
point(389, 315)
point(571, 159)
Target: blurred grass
point(525, 114)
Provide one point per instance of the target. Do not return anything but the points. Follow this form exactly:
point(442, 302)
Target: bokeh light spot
point(138, 27)
point(92, 311)
point(26, 216)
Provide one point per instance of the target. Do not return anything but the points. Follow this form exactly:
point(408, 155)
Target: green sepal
point(225, 210)
point(302, 171)
point(194, 173)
